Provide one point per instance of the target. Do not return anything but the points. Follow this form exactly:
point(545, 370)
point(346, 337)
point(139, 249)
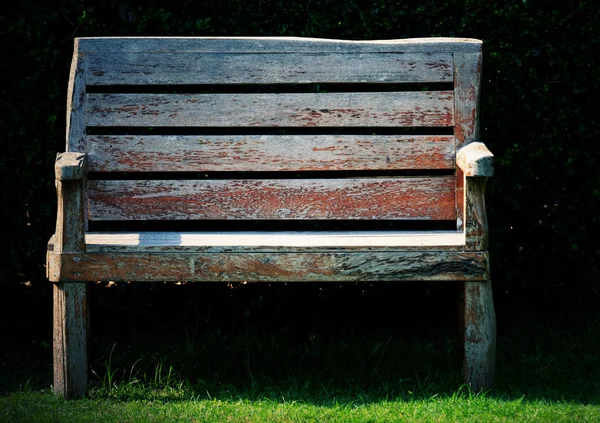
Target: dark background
point(539, 116)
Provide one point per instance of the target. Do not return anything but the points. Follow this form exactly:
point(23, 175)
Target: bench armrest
point(475, 160)
point(70, 166)
point(477, 163)
point(70, 170)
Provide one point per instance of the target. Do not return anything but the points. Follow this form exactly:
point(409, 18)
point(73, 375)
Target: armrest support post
point(477, 164)
point(476, 226)
point(70, 169)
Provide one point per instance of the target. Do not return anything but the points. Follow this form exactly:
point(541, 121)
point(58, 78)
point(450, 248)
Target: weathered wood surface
point(313, 241)
point(70, 300)
point(467, 81)
point(70, 166)
point(460, 200)
point(71, 216)
point(352, 198)
point(206, 153)
point(271, 266)
point(217, 68)
point(476, 226)
point(70, 355)
point(122, 45)
point(393, 109)
point(76, 102)
point(475, 159)
point(480, 336)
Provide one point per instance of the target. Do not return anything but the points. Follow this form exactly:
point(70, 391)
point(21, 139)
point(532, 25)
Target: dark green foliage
point(539, 111)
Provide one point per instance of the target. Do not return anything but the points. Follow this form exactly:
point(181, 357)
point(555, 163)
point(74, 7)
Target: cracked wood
point(129, 153)
point(262, 267)
point(223, 45)
point(428, 198)
point(356, 109)
point(217, 68)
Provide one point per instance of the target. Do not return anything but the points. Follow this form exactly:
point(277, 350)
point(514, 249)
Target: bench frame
point(71, 260)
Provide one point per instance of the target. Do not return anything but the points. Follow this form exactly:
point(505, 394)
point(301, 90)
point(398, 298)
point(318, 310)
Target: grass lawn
point(292, 366)
point(45, 407)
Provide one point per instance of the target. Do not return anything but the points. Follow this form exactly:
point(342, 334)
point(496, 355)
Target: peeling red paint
point(424, 198)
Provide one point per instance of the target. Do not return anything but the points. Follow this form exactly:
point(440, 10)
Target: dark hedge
point(539, 111)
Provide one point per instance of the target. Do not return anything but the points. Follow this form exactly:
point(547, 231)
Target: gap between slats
point(273, 226)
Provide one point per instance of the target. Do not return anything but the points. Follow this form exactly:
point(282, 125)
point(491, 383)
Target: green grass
point(319, 366)
point(461, 407)
point(545, 375)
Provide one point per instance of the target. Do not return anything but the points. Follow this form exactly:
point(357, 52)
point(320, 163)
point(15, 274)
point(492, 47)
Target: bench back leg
point(70, 339)
point(479, 336)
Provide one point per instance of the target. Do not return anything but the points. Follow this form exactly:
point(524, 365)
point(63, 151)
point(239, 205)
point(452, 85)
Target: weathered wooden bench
point(191, 134)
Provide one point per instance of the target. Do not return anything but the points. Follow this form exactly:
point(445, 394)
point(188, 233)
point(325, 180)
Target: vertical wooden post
point(70, 339)
point(479, 315)
point(70, 299)
point(480, 336)
point(478, 319)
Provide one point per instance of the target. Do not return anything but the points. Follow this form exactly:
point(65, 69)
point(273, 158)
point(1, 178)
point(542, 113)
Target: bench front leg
point(71, 314)
point(478, 331)
point(479, 336)
point(70, 339)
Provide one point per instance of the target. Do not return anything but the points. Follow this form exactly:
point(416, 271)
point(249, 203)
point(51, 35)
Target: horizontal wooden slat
point(128, 153)
point(271, 45)
point(360, 198)
point(414, 108)
point(271, 267)
point(108, 68)
point(270, 241)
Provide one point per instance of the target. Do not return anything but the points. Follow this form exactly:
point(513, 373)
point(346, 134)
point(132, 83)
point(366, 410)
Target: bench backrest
point(270, 129)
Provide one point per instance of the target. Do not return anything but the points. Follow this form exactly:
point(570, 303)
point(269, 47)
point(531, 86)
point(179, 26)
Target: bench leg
point(70, 339)
point(479, 336)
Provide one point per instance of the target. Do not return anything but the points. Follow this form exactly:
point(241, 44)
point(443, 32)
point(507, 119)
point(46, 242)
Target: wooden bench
point(218, 141)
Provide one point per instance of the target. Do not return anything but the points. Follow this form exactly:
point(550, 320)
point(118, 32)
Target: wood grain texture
point(386, 109)
point(467, 81)
point(273, 45)
point(476, 226)
point(206, 153)
point(70, 222)
point(76, 102)
point(480, 336)
point(352, 198)
point(460, 200)
point(108, 68)
point(70, 300)
point(285, 241)
point(272, 267)
point(70, 355)
point(475, 159)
